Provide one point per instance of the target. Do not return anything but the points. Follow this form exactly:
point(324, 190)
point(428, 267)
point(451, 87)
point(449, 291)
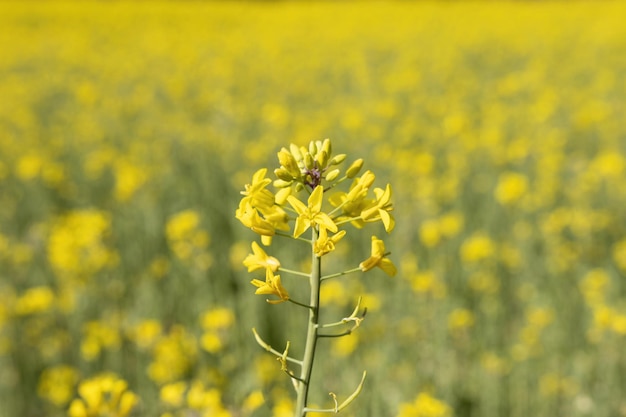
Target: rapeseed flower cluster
point(314, 171)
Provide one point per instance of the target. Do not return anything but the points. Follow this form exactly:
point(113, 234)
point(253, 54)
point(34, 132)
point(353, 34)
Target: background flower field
point(127, 130)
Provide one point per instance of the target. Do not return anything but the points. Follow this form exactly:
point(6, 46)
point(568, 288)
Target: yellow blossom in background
point(619, 254)
point(333, 292)
point(451, 224)
point(187, 240)
point(172, 356)
point(460, 319)
point(34, 300)
point(217, 318)
point(56, 384)
point(425, 405)
point(215, 323)
point(283, 408)
point(344, 346)
point(430, 234)
point(477, 248)
point(173, 394)
point(128, 178)
point(29, 166)
point(511, 187)
point(99, 335)
point(77, 244)
point(253, 401)
point(426, 282)
point(105, 395)
point(146, 333)
point(594, 286)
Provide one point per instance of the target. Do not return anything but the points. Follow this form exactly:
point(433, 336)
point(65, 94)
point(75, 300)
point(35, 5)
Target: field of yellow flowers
point(127, 130)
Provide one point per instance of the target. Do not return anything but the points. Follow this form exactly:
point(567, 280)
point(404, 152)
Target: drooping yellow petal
point(259, 259)
point(378, 259)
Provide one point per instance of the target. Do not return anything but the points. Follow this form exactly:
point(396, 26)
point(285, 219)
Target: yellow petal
point(315, 199)
point(386, 265)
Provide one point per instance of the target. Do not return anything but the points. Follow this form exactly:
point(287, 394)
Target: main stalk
point(311, 335)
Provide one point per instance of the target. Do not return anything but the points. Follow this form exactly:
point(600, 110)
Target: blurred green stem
point(311, 335)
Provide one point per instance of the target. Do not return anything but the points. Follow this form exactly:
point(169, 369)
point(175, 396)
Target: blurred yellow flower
point(56, 384)
point(146, 333)
point(511, 187)
point(429, 233)
point(425, 405)
point(105, 395)
point(460, 318)
point(34, 300)
point(173, 394)
point(476, 248)
point(217, 318)
point(76, 246)
point(344, 346)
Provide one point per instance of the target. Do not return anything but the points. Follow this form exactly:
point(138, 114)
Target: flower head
point(311, 214)
point(325, 244)
point(378, 258)
point(259, 259)
point(256, 193)
point(380, 208)
point(272, 286)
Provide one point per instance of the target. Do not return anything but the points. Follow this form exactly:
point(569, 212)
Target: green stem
point(311, 335)
point(291, 271)
point(338, 274)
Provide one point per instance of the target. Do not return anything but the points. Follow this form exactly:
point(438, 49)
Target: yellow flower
point(378, 258)
point(353, 202)
point(105, 394)
point(311, 215)
point(173, 394)
point(511, 187)
point(56, 384)
point(380, 208)
point(271, 285)
point(425, 405)
point(324, 244)
point(255, 193)
point(250, 217)
point(259, 259)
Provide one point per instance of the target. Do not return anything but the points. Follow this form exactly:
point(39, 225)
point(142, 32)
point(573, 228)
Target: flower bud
point(287, 160)
point(322, 159)
point(326, 146)
point(299, 187)
point(308, 161)
point(283, 174)
point(332, 175)
point(281, 183)
point(354, 168)
point(295, 151)
point(337, 159)
point(312, 148)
